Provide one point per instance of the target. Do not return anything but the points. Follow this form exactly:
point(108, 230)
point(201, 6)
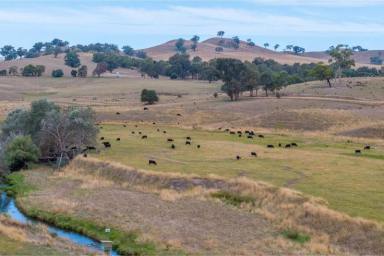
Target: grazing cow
point(173, 146)
point(135, 125)
point(280, 145)
point(117, 139)
point(293, 144)
point(357, 151)
point(117, 113)
point(198, 146)
point(91, 148)
point(250, 137)
point(187, 143)
point(178, 114)
point(288, 146)
point(219, 128)
point(153, 123)
point(270, 146)
point(188, 138)
point(233, 133)
point(238, 157)
point(240, 135)
point(239, 132)
point(170, 140)
point(253, 154)
point(107, 144)
point(85, 155)
point(139, 132)
point(261, 136)
point(101, 138)
point(226, 130)
point(144, 137)
point(145, 108)
point(158, 130)
point(164, 132)
point(124, 125)
point(367, 147)
point(133, 132)
point(152, 162)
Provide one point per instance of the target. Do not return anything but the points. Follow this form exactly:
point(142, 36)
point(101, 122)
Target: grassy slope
point(320, 166)
point(12, 247)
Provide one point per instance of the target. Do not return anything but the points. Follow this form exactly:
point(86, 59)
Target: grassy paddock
point(321, 167)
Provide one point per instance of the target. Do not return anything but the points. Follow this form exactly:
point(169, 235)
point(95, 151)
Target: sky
point(312, 24)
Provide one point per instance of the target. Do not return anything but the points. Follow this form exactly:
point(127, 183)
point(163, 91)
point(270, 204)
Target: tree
point(250, 42)
point(180, 65)
point(249, 78)
point(289, 47)
point(72, 59)
point(38, 46)
point(219, 49)
point(297, 49)
point(74, 73)
point(266, 80)
point(195, 39)
point(180, 45)
point(341, 57)
point(57, 73)
point(31, 70)
point(230, 71)
point(19, 152)
point(266, 45)
point(21, 52)
point(358, 48)
point(276, 47)
point(236, 42)
point(196, 67)
point(40, 69)
point(323, 72)
point(220, 33)
point(141, 54)
point(56, 51)
point(100, 69)
point(13, 71)
point(149, 96)
point(376, 60)
point(82, 71)
point(9, 52)
point(128, 50)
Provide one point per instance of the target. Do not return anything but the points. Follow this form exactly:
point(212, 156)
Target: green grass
point(16, 186)
point(320, 167)
point(233, 199)
point(296, 236)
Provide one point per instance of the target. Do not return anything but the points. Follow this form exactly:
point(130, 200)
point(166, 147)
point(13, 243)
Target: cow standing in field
point(152, 162)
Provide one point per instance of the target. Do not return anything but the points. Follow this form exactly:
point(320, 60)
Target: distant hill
point(206, 50)
point(359, 57)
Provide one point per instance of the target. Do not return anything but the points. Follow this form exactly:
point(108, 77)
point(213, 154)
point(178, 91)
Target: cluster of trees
point(46, 131)
point(32, 70)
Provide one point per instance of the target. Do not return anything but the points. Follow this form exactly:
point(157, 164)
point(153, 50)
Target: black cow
point(187, 143)
point(233, 133)
point(91, 148)
point(101, 138)
point(139, 132)
point(280, 145)
point(170, 140)
point(173, 146)
point(144, 137)
point(133, 132)
point(85, 155)
point(153, 123)
point(117, 113)
point(198, 146)
point(188, 138)
point(253, 154)
point(135, 125)
point(270, 146)
point(124, 125)
point(288, 146)
point(238, 157)
point(357, 151)
point(261, 136)
point(367, 147)
point(250, 137)
point(107, 144)
point(293, 144)
point(145, 108)
point(158, 130)
point(152, 162)
point(239, 132)
point(178, 114)
point(240, 135)
point(164, 132)
point(117, 139)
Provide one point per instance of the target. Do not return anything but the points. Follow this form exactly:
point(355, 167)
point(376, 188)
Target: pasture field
point(320, 166)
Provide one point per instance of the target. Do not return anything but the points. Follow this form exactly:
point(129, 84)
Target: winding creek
point(9, 207)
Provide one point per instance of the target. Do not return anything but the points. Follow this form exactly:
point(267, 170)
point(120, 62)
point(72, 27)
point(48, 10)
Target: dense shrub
point(19, 152)
point(149, 96)
point(31, 70)
point(57, 73)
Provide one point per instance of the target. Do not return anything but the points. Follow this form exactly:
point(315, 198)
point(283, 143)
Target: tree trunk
point(266, 92)
point(329, 83)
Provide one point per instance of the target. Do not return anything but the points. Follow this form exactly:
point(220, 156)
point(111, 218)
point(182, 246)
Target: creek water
point(9, 207)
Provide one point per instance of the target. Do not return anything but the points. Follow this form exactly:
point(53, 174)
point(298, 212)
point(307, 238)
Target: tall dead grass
point(286, 208)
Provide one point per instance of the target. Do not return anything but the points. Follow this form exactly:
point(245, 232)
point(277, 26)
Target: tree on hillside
point(9, 52)
point(236, 42)
point(82, 71)
point(57, 73)
point(220, 33)
point(297, 49)
point(141, 54)
point(341, 58)
point(72, 60)
point(100, 69)
point(13, 71)
point(323, 72)
point(21, 52)
point(180, 45)
point(358, 48)
point(31, 70)
point(195, 39)
point(250, 42)
point(128, 50)
point(276, 47)
point(74, 73)
point(266, 45)
point(149, 96)
point(289, 47)
point(266, 80)
point(38, 46)
point(219, 49)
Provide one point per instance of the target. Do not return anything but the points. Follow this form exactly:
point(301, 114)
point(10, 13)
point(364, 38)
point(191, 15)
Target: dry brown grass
point(287, 209)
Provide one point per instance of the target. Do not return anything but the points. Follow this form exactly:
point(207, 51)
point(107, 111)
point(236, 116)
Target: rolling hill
point(359, 57)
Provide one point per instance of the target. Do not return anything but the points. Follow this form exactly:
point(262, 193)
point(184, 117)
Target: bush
point(57, 73)
point(173, 76)
point(82, 71)
point(296, 236)
point(74, 73)
point(72, 59)
point(19, 152)
point(31, 70)
point(149, 96)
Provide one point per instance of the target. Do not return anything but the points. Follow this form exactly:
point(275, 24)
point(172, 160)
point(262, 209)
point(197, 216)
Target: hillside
point(206, 50)
point(359, 57)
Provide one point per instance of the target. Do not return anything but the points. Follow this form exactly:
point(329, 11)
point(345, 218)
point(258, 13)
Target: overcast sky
point(313, 24)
